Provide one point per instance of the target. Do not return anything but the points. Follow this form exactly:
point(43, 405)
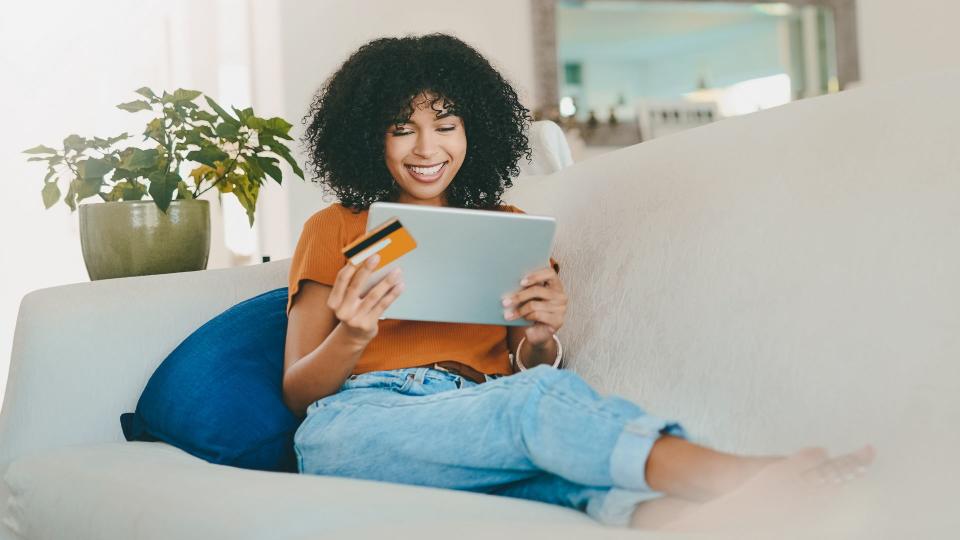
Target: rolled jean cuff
point(615, 508)
point(628, 461)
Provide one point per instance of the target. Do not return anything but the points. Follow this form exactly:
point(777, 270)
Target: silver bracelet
point(556, 363)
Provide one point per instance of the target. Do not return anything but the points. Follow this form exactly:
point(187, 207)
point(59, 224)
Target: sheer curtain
point(65, 66)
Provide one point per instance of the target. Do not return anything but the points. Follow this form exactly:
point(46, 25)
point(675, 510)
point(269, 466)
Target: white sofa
point(773, 281)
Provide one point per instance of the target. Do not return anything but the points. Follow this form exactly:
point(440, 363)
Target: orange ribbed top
point(398, 344)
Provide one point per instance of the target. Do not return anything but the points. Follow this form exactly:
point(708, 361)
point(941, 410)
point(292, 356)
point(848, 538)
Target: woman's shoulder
point(333, 215)
point(510, 208)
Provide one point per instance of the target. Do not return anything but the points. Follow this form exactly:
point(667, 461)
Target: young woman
point(427, 120)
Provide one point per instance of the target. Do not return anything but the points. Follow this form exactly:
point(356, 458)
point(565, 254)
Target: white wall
point(899, 38)
point(65, 65)
point(62, 74)
point(318, 37)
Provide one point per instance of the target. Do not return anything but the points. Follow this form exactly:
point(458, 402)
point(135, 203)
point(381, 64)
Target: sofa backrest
point(787, 278)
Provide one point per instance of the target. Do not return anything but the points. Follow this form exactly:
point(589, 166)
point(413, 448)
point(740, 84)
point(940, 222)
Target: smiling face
point(424, 153)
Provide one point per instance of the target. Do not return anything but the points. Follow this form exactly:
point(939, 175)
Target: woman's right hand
point(358, 315)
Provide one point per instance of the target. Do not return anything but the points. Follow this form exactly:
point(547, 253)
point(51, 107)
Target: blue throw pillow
point(219, 395)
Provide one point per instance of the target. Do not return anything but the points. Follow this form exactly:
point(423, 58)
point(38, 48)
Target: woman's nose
point(426, 145)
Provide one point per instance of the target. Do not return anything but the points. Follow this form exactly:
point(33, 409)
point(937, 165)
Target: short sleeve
point(317, 256)
point(515, 210)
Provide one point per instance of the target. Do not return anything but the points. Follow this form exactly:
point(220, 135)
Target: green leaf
point(219, 110)
point(37, 158)
point(75, 142)
point(89, 188)
point(246, 192)
point(113, 140)
point(192, 136)
point(135, 159)
point(155, 130)
point(93, 168)
point(125, 191)
point(71, 197)
point(284, 152)
point(180, 95)
point(243, 114)
point(134, 106)
point(203, 116)
point(208, 155)
point(51, 194)
point(147, 93)
point(132, 191)
point(275, 126)
point(104, 144)
point(269, 166)
point(40, 149)
point(228, 131)
point(162, 186)
point(50, 174)
point(174, 114)
point(183, 191)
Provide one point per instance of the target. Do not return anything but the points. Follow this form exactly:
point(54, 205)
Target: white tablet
point(465, 261)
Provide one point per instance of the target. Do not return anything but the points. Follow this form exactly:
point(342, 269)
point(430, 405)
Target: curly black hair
point(375, 89)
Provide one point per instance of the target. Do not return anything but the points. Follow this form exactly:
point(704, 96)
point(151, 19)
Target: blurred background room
point(611, 73)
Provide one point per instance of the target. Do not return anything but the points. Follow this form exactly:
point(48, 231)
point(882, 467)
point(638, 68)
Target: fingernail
point(399, 287)
point(507, 314)
point(396, 271)
point(524, 281)
point(506, 302)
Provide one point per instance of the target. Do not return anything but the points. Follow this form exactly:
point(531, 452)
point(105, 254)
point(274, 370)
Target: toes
point(865, 455)
point(809, 457)
point(837, 470)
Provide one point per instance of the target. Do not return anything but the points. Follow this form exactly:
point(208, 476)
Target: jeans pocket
point(388, 380)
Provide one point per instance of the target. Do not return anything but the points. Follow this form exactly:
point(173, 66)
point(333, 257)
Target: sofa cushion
point(218, 395)
point(151, 491)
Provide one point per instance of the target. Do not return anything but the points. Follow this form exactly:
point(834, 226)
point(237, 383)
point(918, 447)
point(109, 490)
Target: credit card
point(391, 240)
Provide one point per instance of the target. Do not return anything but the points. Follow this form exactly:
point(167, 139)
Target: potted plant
point(150, 220)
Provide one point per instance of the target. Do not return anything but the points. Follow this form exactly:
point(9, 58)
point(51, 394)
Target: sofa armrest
point(82, 353)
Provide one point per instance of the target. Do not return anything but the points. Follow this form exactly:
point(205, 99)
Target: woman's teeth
point(427, 171)
point(426, 174)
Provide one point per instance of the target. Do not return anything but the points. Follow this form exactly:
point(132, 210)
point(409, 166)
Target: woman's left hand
point(542, 301)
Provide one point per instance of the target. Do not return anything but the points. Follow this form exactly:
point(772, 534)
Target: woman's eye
point(399, 132)
point(447, 128)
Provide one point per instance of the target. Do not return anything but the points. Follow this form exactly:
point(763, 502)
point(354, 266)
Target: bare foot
point(779, 493)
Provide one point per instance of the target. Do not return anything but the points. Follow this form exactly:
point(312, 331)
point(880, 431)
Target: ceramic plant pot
point(134, 238)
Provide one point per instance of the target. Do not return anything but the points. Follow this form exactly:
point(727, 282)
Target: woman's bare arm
point(317, 358)
point(327, 331)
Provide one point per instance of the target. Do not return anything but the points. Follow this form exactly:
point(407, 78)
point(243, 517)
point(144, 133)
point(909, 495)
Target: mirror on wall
point(626, 71)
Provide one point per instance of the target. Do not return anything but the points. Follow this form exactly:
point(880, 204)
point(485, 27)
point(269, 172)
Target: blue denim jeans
point(542, 434)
